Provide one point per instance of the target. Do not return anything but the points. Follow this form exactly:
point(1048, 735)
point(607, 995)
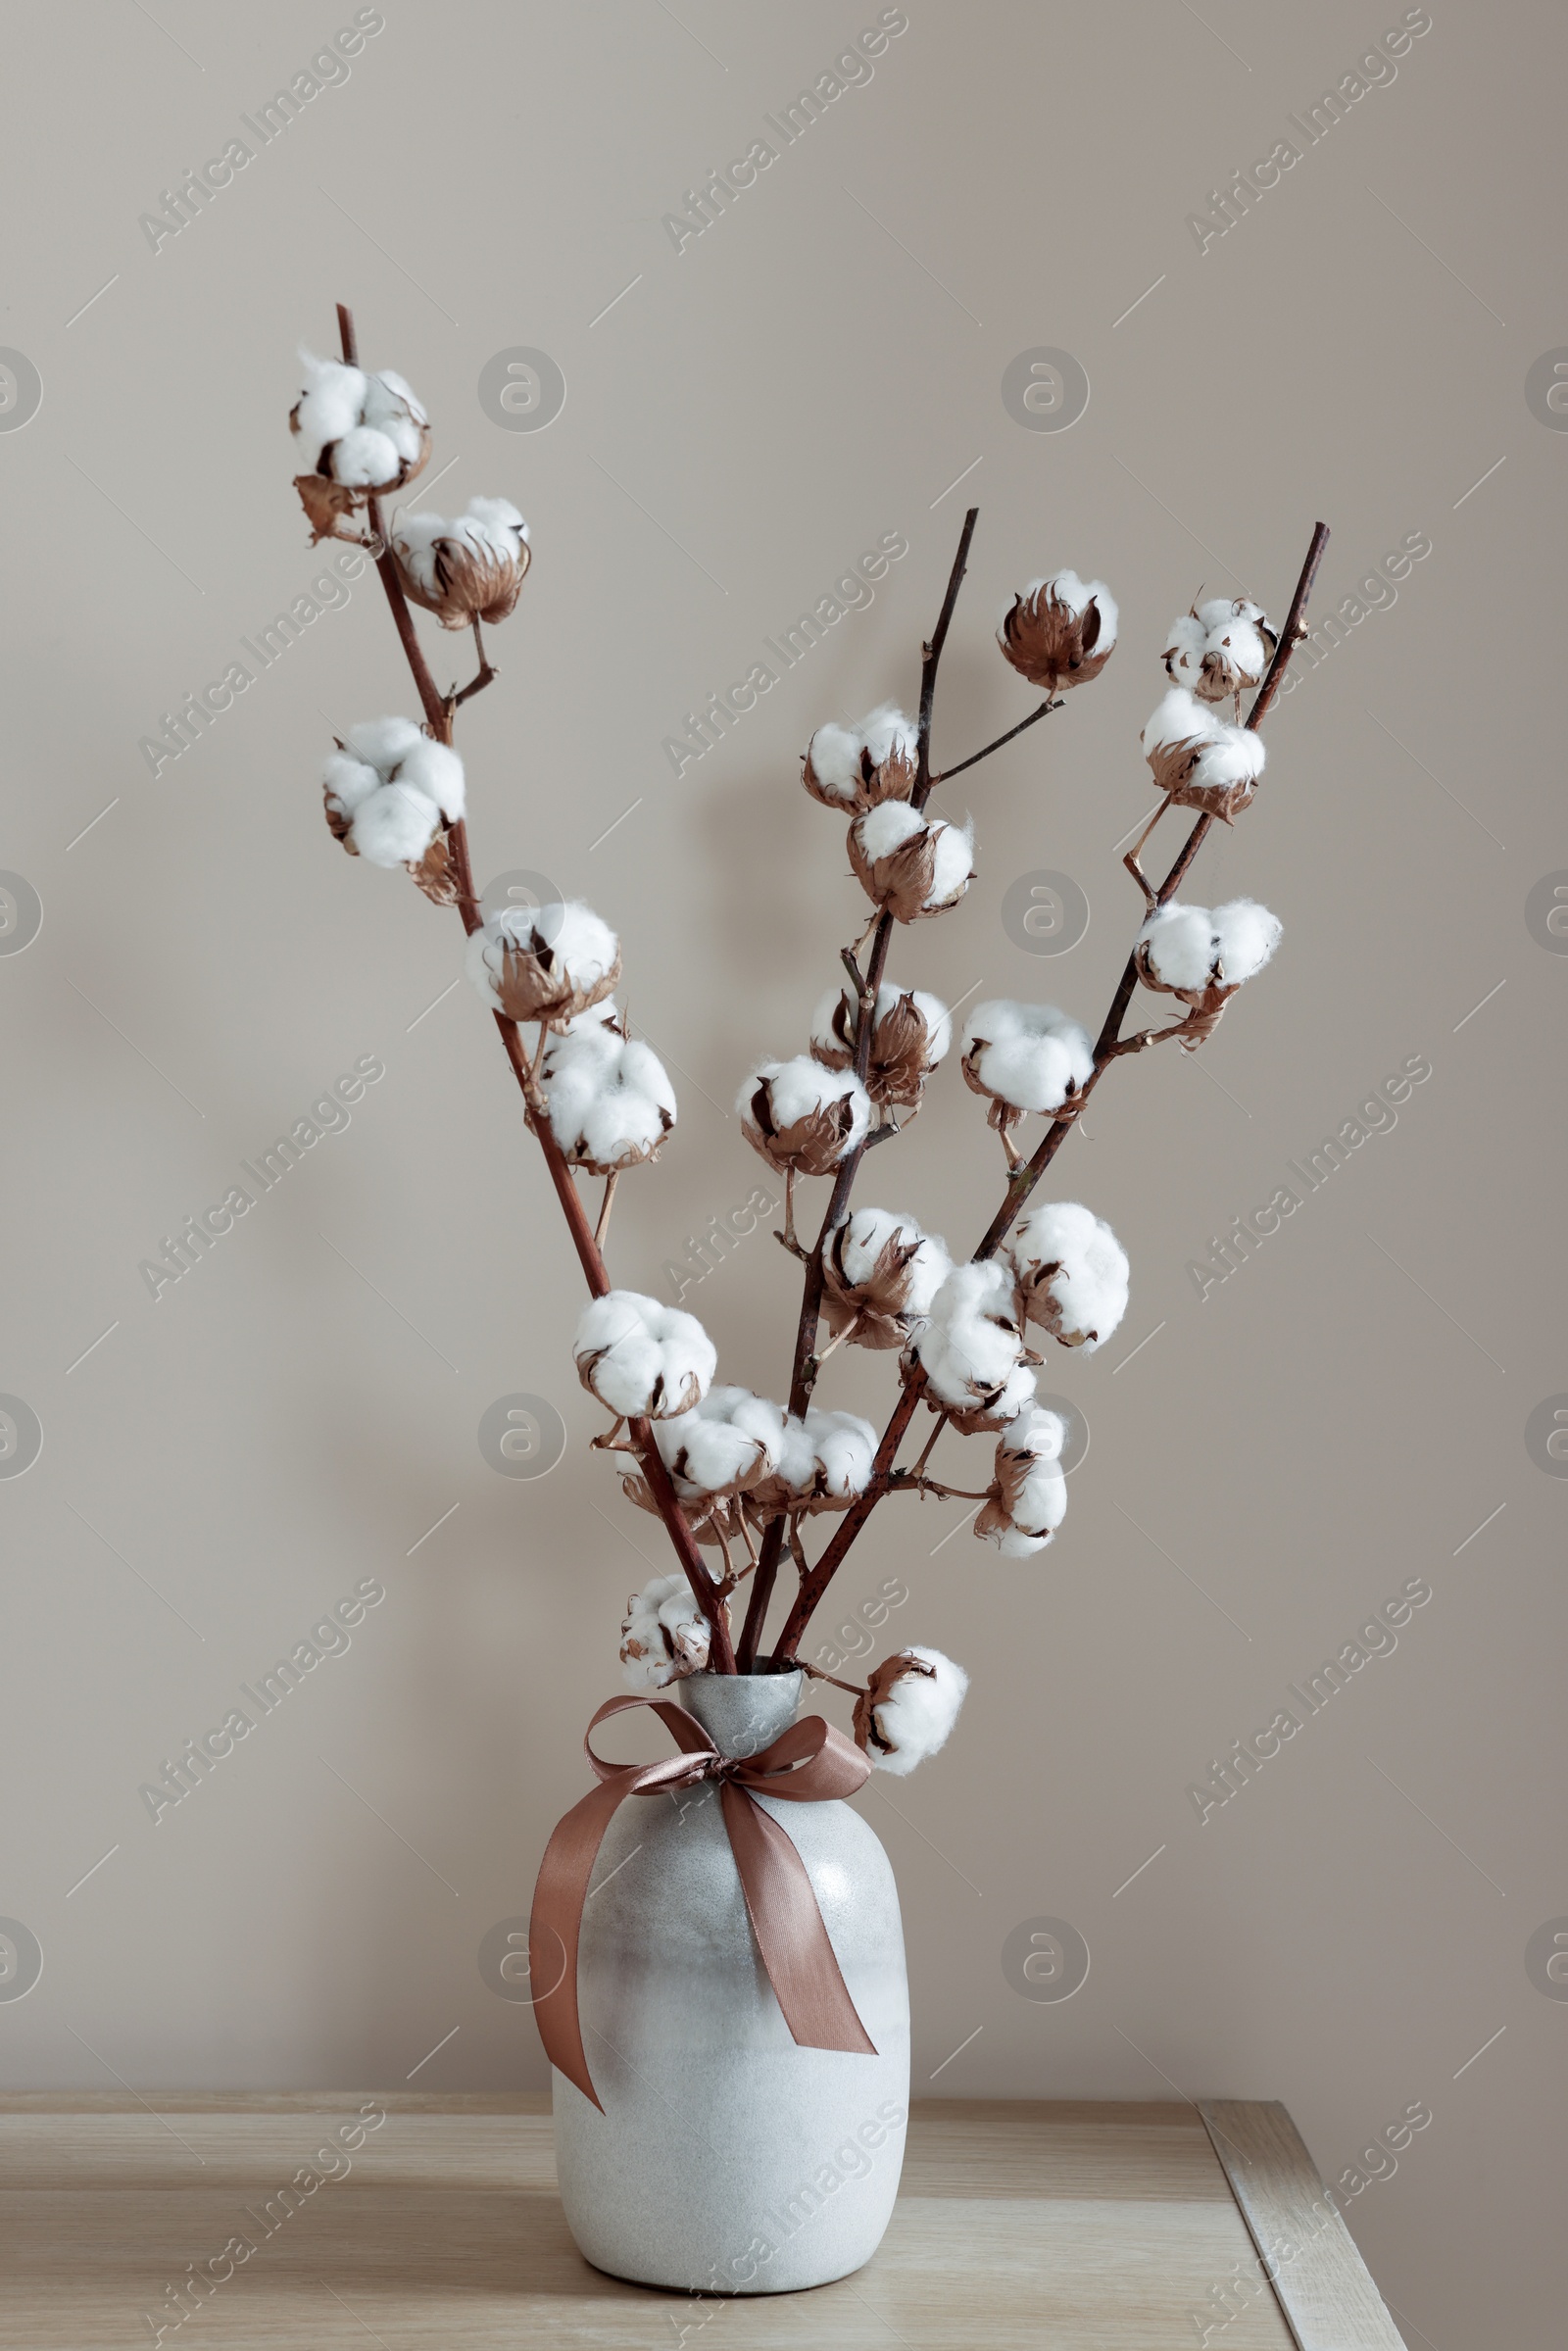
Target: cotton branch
point(439, 711)
point(1109, 1048)
point(803, 1375)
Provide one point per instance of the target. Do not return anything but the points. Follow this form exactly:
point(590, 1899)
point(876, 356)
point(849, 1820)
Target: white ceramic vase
point(726, 2159)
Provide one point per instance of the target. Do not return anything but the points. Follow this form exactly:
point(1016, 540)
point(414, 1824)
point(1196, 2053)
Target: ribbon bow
point(809, 1762)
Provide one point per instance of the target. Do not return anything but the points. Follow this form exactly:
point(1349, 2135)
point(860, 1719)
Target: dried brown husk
point(880, 1684)
point(713, 1518)
point(812, 1145)
point(328, 504)
point(901, 1056)
point(1049, 645)
point(879, 1301)
point(436, 871)
point(901, 882)
point(469, 585)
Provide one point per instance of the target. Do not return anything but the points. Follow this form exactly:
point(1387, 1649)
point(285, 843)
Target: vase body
point(727, 2160)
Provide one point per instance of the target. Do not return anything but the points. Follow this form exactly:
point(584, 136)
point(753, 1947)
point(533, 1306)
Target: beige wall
point(811, 374)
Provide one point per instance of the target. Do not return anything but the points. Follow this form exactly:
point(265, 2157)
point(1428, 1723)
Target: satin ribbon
point(809, 1764)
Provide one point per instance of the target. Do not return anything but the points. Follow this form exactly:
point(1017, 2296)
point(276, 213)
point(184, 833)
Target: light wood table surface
point(1060, 2226)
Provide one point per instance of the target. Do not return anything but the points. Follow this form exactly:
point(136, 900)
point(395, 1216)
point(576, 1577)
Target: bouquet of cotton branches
point(731, 1473)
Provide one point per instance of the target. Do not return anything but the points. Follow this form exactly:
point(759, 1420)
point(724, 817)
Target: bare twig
point(1043, 711)
point(604, 1206)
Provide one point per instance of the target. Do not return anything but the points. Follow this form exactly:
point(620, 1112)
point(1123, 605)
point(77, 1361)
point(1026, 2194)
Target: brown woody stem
point(1023, 1183)
point(439, 716)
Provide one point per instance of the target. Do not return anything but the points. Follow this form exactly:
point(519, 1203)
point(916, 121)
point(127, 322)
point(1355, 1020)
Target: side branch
point(1023, 1180)
point(439, 711)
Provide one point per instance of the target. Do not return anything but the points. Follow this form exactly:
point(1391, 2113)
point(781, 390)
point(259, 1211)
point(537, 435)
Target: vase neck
point(742, 1713)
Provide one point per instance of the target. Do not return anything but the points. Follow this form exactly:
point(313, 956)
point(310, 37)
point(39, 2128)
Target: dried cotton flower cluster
point(727, 1468)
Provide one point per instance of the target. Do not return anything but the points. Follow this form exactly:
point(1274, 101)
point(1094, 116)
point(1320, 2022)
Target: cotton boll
point(731, 1441)
point(1071, 1270)
point(825, 1461)
point(640, 1358)
point(1201, 760)
point(611, 1102)
point(970, 1346)
point(801, 1117)
point(909, 865)
point(545, 964)
point(1060, 632)
point(1179, 945)
point(663, 1635)
point(880, 1274)
point(469, 569)
point(909, 1708)
point(394, 825)
point(911, 1032)
point(1026, 1057)
point(1246, 936)
point(853, 767)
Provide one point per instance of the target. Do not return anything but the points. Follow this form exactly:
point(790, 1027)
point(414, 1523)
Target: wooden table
point(1063, 2226)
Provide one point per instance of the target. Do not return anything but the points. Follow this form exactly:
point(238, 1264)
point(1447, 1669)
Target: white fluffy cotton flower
point(610, 1100)
point(544, 963)
point(910, 864)
point(909, 1708)
point(468, 570)
point(387, 789)
point(1026, 1057)
point(1028, 1498)
point(358, 435)
point(1071, 1270)
point(971, 1347)
point(663, 1635)
point(641, 1357)
point(824, 1463)
point(729, 1442)
point(801, 1116)
point(1201, 761)
point(1186, 950)
point(853, 767)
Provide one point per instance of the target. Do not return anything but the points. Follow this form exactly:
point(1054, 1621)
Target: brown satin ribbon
point(810, 1763)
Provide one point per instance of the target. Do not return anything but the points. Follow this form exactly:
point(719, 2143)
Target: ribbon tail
point(801, 1962)
point(554, 1927)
